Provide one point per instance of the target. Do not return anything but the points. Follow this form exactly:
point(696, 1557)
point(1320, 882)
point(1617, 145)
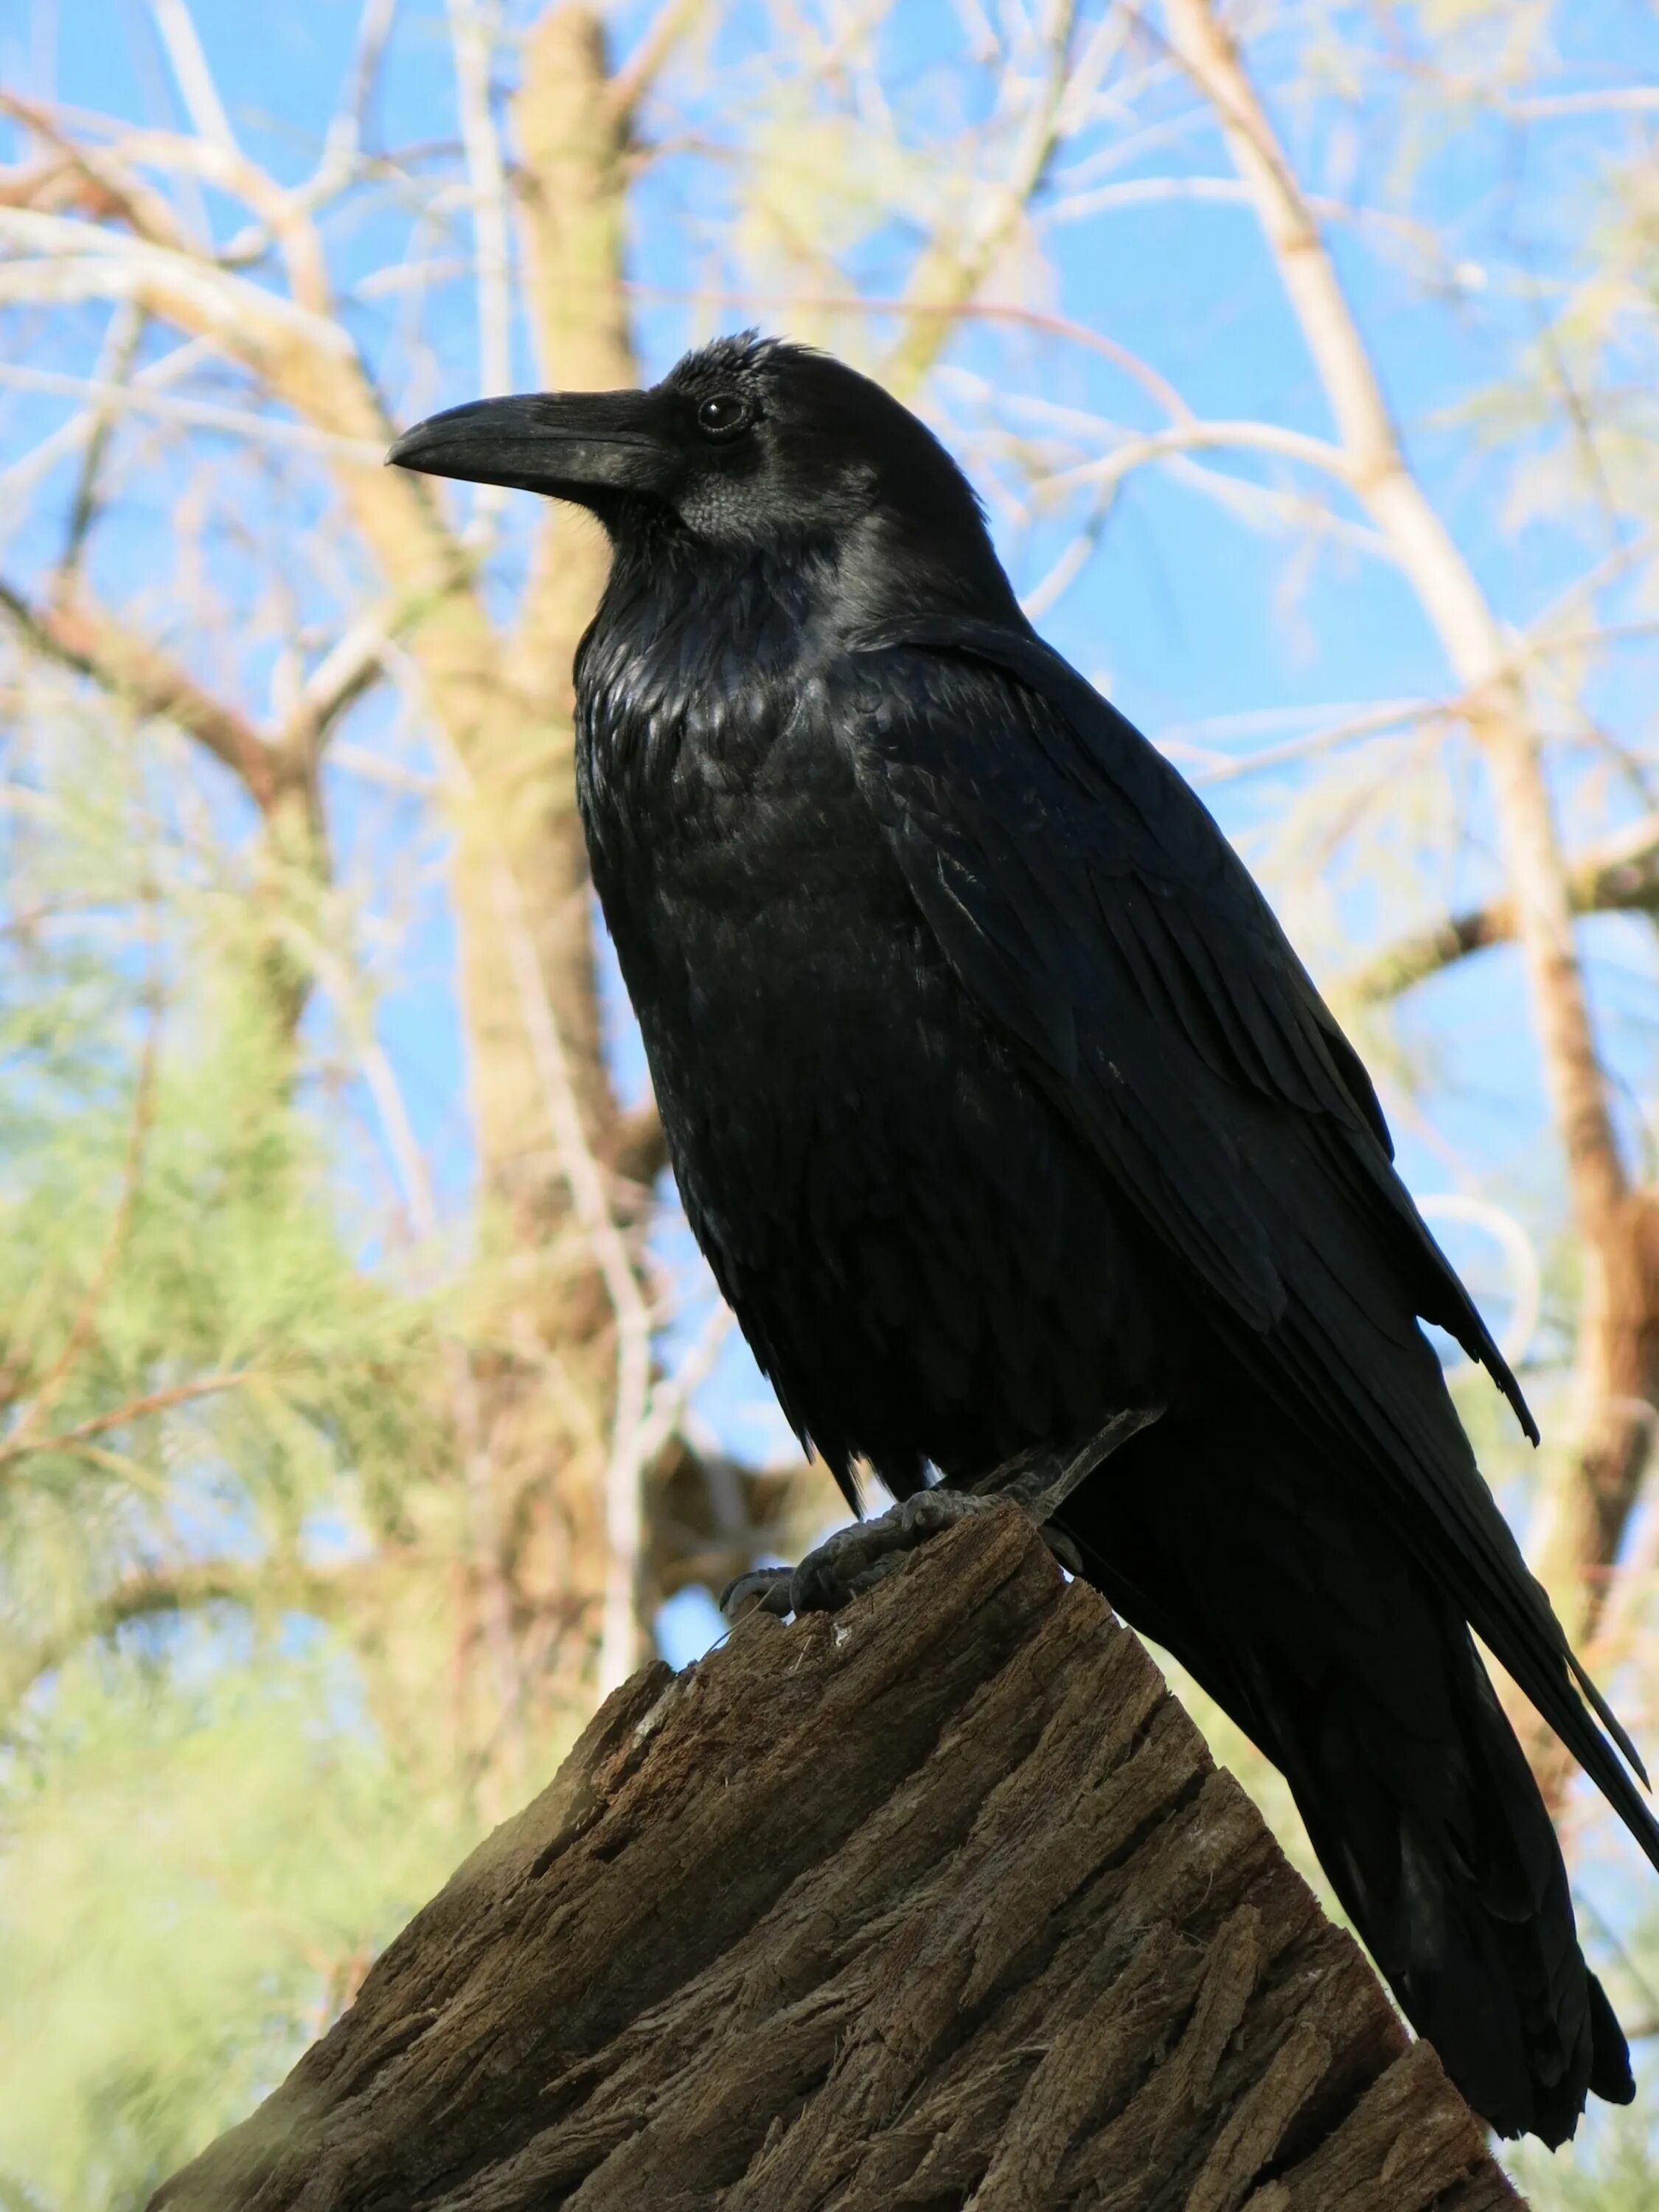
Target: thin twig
point(1197, 435)
point(190, 69)
point(585, 1182)
point(487, 194)
point(116, 356)
point(135, 1409)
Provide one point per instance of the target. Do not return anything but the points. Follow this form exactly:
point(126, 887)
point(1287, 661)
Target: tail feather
point(1322, 1635)
point(1459, 1892)
point(1611, 2078)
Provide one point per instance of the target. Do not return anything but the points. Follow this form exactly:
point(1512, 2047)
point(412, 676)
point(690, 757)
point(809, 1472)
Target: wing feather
point(1089, 901)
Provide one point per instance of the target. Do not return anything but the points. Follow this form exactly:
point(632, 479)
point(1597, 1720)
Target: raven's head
point(747, 443)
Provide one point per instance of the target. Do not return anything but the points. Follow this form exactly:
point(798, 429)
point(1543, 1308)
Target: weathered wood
point(936, 1904)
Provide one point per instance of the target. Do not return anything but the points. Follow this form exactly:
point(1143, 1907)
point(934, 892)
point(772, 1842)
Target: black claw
point(764, 1589)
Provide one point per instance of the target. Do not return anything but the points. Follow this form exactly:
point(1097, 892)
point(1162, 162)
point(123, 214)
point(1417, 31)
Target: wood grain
point(937, 1903)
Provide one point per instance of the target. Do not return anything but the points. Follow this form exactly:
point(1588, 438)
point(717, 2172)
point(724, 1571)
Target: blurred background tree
point(365, 1410)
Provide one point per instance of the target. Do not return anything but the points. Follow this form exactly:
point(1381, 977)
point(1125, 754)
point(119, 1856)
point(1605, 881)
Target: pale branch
point(950, 271)
point(282, 215)
point(374, 30)
point(939, 1899)
point(190, 72)
point(1471, 635)
point(86, 179)
point(80, 634)
point(105, 399)
point(353, 664)
point(487, 194)
point(1035, 319)
point(634, 81)
point(307, 360)
point(117, 358)
point(1210, 769)
point(1200, 435)
point(591, 1202)
point(1619, 875)
point(573, 144)
point(1609, 101)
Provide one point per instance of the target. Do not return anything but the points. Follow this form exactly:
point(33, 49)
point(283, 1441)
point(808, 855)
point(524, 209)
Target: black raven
point(1001, 1107)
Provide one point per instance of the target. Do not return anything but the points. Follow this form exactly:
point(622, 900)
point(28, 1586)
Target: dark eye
point(723, 414)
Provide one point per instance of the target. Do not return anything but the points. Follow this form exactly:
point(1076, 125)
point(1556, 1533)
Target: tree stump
point(937, 1903)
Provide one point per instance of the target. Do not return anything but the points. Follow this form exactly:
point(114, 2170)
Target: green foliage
point(221, 1789)
point(205, 1843)
point(1610, 2167)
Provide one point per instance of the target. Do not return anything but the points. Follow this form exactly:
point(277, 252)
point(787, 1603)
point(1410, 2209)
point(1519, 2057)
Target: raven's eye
point(723, 414)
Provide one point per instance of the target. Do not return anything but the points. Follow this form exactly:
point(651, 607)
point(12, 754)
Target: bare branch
point(1389, 714)
point(373, 30)
point(90, 179)
point(487, 192)
point(119, 1417)
point(308, 361)
point(288, 1584)
point(353, 664)
point(80, 634)
point(1473, 640)
point(190, 71)
point(1194, 435)
point(950, 270)
point(116, 357)
point(624, 1514)
point(1628, 99)
point(106, 401)
point(634, 81)
point(1620, 875)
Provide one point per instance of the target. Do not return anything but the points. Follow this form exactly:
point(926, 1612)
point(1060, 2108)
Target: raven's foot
point(854, 1559)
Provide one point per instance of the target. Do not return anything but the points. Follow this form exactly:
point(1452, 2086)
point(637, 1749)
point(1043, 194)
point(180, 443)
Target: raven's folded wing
point(1087, 900)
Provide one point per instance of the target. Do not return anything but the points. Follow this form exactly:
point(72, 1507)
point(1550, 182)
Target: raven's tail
point(1319, 1632)
point(1448, 1864)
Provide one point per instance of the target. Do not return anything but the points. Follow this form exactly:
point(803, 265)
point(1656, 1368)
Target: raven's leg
point(856, 1559)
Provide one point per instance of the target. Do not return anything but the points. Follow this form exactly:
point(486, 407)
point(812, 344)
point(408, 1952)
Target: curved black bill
point(568, 445)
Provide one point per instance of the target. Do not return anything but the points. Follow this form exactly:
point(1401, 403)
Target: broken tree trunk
point(936, 1903)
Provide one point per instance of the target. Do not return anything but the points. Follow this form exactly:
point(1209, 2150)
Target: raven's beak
point(570, 445)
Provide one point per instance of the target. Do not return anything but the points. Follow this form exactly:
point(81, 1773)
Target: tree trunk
point(546, 1365)
point(938, 1902)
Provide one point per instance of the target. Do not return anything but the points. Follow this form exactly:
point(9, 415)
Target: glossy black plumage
point(999, 1102)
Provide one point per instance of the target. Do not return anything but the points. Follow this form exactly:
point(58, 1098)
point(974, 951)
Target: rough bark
point(936, 1903)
